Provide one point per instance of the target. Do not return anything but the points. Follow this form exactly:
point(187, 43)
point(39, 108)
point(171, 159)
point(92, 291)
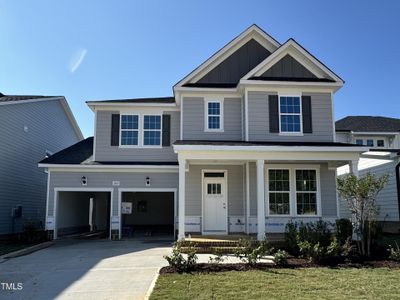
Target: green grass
point(309, 283)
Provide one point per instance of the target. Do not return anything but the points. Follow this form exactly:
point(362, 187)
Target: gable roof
point(18, 98)
point(252, 32)
point(368, 124)
point(299, 53)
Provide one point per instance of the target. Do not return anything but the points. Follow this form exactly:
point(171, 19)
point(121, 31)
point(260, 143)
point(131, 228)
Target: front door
point(215, 218)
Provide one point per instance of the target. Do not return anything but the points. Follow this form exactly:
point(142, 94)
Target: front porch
point(224, 195)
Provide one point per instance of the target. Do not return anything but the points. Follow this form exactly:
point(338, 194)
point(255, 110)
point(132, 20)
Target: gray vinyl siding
point(386, 199)
point(288, 67)
point(194, 116)
point(104, 180)
point(322, 123)
point(193, 201)
point(238, 64)
point(328, 191)
point(21, 181)
point(105, 152)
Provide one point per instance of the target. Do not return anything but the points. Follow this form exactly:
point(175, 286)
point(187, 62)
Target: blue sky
point(88, 50)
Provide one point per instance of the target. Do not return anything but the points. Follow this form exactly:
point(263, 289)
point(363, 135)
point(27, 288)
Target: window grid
point(129, 130)
point(152, 130)
point(214, 115)
point(279, 191)
point(359, 142)
point(214, 188)
point(370, 143)
point(290, 114)
point(306, 192)
point(140, 130)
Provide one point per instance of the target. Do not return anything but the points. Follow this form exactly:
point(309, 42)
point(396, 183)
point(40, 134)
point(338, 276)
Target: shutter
point(273, 113)
point(166, 130)
point(307, 115)
point(115, 130)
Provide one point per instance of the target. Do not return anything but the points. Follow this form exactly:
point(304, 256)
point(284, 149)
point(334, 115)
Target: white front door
point(215, 218)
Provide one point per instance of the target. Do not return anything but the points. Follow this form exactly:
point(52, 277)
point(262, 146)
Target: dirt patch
point(292, 263)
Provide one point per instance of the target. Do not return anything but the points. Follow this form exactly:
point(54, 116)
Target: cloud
point(76, 60)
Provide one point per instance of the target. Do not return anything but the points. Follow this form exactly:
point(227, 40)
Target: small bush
point(344, 230)
point(218, 257)
point(280, 258)
point(315, 232)
point(291, 238)
point(178, 261)
point(250, 251)
point(320, 253)
point(394, 252)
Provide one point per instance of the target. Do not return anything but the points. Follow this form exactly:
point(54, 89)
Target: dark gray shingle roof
point(161, 100)
point(16, 98)
point(74, 154)
point(368, 124)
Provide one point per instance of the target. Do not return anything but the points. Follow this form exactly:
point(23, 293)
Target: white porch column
point(181, 211)
point(247, 198)
point(260, 200)
point(354, 167)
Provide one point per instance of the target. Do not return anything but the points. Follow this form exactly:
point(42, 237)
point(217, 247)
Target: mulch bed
point(292, 263)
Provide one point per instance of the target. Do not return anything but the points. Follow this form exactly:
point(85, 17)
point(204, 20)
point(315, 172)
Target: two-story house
point(382, 136)
point(31, 128)
point(246, 144)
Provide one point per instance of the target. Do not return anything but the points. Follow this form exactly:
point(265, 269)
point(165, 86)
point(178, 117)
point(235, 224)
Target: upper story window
point(214, 116)
point(370, 143)
point(151, 130)
point(359, 142)
point(290, 114)
point(130, 130)
point(380, 143)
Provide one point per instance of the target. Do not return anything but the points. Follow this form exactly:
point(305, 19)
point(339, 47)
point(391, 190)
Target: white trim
point(289, 133)
point(110, 168)
point(260, 170)
point(106, 106)
point(267, 191)
point(181, 114)
point(203, 232)
point(181, 206)
point(247, 197)
point(252, 32)
point(78, 189)
point(246, 114)
point(47, 197)
point(208, 100)
point(145, 190)
point(333, 117)
point(95, 135)
point(328, 86)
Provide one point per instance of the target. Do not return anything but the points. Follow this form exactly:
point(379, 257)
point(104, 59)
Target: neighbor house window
point(290, 114)
point(279, 192)
point(370, 143)
point(359, 142)
point(214, 115)
point(306, 192)
point(380, 143)
point(151, 130)
point(129, 130)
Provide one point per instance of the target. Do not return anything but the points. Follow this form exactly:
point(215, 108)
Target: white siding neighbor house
point(245, 144)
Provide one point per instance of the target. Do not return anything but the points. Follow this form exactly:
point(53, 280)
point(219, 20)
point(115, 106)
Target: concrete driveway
point(85, 270)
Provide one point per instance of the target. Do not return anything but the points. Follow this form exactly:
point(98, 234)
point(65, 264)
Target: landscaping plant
point(178, 261)
point(360, 195)
point(344, 230)
point(250, 251)
point(280, 258)
point(394, 252)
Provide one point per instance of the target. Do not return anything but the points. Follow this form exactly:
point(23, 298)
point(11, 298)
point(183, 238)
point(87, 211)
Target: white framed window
point(214, 112)
point(359, 142)
point(370, 143)
point(140, 130)
point(290, 117)
point(293, 190)
point(380, 143)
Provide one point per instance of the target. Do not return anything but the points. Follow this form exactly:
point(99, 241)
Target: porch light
point(84, 180)
point(147, 181)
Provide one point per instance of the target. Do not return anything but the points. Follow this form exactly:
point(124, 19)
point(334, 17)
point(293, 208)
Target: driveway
point(85, 270)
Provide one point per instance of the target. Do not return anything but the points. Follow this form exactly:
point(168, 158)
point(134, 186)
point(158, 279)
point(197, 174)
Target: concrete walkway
point(85, 270)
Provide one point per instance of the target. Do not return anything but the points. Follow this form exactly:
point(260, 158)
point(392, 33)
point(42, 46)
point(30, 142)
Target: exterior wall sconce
point(147, 181)
point(84, 181)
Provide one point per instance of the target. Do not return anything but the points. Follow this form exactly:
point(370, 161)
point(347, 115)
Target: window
point(129, 129)
point(151, 130)
point(214, 188)
point(380, 143)
point(370, 143)
point(279, 192)
point(306, 192)
point(290, 114)
point(359, 142)
point(214, 115)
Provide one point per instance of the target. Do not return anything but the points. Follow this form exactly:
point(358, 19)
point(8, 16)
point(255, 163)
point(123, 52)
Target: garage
point(83, 214)
point(147, 214)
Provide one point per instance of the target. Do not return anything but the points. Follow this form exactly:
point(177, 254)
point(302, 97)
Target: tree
point(360, 195)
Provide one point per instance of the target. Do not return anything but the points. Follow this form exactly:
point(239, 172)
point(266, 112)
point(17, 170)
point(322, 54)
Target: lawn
point(308, 283)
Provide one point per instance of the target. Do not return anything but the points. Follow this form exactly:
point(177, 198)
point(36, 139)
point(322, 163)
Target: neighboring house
point(382, 136)
point(246, 144)
point(31, 128)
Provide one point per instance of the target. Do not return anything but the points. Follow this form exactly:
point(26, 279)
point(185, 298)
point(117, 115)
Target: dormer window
point(290, 114)
point(129, 130)
point(214, 115)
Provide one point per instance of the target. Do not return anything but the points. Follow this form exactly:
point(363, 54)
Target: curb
point(26, 251)
point(152, 285)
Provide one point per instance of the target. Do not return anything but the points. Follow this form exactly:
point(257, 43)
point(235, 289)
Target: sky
point(94, 50)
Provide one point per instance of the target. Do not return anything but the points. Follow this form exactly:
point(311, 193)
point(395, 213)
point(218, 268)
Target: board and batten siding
point(27, 131)
point(194, 120)
point(322, 123)
point(104, 180)
point(105, 152)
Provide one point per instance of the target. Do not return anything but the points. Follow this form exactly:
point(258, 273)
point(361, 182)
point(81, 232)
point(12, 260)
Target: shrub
point(280, 258)
point(178, 261)
point(344, 230)
point(394, 252)
point(218, 257)
point(250, 251)
point(291, 238)
point(315, 232)
point(320, 253)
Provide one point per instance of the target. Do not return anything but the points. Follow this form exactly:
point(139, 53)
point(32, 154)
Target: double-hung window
point(279, 192)
point(151, 130)
point(306, 192)
point(214, 120)
point(359, 142)
point(129, 130)
point(290, 114)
